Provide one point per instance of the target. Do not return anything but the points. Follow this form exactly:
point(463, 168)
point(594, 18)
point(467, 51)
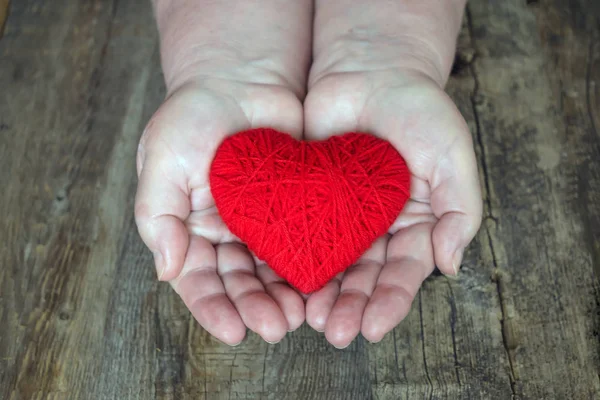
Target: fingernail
point(343, 347)
point(273, 342)
point(457, 260)
point(159, 263)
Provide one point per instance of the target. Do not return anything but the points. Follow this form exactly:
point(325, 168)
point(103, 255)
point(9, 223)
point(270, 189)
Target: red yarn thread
point(308, 209)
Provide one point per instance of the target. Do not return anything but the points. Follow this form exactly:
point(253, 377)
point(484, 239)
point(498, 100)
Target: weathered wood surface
point(4, 4)
point(82, 317)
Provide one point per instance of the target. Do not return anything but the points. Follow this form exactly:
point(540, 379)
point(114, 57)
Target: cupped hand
point(220, 282)
point(413, 112)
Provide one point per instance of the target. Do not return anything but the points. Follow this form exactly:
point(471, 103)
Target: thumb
point(456, 202)
point(161, 206)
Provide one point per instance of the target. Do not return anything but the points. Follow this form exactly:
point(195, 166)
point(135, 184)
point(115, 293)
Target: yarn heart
point(309, 209)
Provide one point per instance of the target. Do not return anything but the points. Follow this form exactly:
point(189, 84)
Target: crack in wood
point(264, 375)
point(423, 345)
point(588, 84)
point(396, 358)
point(231, 374)
point(453, 329)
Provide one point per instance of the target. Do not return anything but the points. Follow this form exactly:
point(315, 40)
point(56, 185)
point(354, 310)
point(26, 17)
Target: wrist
point(252, 42)
point(416, 36)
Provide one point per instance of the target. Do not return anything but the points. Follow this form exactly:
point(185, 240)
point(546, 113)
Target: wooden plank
point(72, 96)
point(572, 47)
point(537, 169)
point(46, 237)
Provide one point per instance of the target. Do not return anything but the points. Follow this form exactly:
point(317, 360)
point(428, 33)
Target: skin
point(377, 66)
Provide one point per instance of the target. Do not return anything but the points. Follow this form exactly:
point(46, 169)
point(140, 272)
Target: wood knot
point(463, 59)
point(64, 316)
point(60, 204)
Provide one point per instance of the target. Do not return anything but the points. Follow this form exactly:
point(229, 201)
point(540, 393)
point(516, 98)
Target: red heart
point(308, 209)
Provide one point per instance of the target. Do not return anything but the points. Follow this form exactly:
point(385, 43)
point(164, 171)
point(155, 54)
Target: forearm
point(387, 34)
point(257, 41)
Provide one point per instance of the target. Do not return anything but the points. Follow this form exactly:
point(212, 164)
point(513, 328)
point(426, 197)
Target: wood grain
point(81, 315)
point(4, 5)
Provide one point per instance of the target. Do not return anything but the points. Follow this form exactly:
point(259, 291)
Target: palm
point(216, 277)
point(421, 122)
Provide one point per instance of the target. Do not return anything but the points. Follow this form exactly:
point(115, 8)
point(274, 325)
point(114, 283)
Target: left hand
point(443, 214)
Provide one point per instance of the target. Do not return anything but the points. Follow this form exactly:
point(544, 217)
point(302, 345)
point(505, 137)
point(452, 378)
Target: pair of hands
point(224, 286)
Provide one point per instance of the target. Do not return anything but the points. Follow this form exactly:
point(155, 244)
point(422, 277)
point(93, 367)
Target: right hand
point(225, 289)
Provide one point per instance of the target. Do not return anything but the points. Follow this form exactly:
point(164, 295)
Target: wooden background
point(82, 316)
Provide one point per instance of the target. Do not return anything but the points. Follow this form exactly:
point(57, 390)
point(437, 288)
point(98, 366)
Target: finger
point(258, 261)
point(161, 205)
point(344, 322)
point(209, 224)
point(320, 303)
point(409, 262)
point(417, 209)
point(289, 300)
point(456, 201)
point(204, 295)
point(258, 310)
